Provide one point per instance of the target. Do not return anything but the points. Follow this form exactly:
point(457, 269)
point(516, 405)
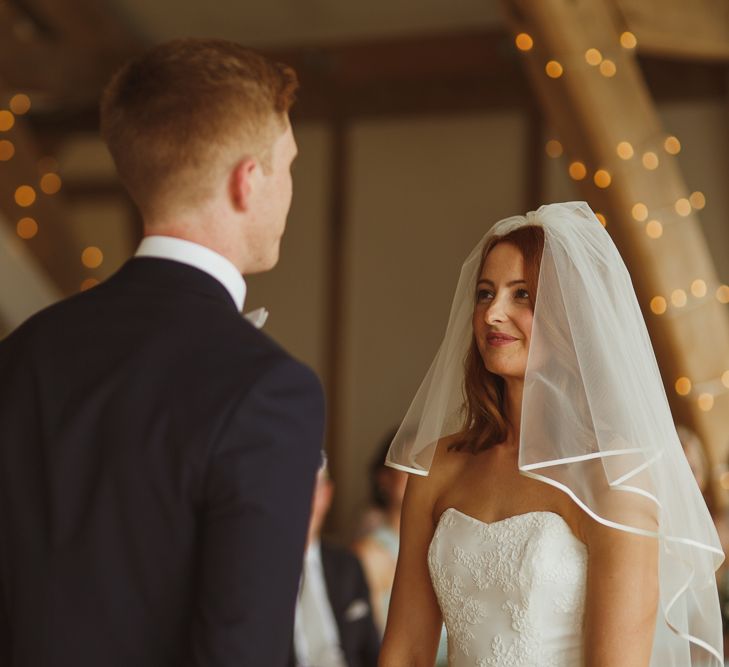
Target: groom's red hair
point(182, 113)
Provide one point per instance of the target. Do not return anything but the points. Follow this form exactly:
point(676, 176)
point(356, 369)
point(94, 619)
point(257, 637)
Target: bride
point(551, 518)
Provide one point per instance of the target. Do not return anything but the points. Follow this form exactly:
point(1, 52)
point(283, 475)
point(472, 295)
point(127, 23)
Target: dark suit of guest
point(157, 460)
point(349, 599)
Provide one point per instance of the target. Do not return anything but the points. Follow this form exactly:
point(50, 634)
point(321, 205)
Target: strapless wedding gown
point(511, 592)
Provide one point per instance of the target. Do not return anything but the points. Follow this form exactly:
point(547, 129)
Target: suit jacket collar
point(175, 276)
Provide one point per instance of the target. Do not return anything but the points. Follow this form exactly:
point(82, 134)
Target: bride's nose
point(495, 313)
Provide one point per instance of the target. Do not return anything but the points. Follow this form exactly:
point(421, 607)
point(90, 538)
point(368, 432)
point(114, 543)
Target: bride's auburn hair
point(484, 424)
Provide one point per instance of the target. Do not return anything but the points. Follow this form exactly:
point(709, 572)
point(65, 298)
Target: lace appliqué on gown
point(511, 592)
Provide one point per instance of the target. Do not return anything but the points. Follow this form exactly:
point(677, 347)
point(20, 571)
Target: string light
point(92, 257)
point(679, 298)
point(602, 178)
point(654, 229)
point(50, 183)
point(593, 57)
point(524, 42)
point(658, 305)
point(697, 200)
point(698, 288)
point(722, 294)
point(640, 212)
point(624, 150)
point(650, 160)
point(20, 104)
point(628, 40)
point(553, 69)
point(683, 386)
point(683, 207)
point(553, 148)
point(608, 68)
point(7, 150)
point(7, 120)
point(577, 171)
point(602, 219)
point(25, 196)
point(672, 145)
point(26, 228)
point(706, 402)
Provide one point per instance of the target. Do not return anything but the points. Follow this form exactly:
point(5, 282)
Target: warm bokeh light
point(683, 207)
point(658, 305)
point(50, 183)
point(7, 120)
point(683, 386)
point(7, 150)
point(654, 229)
point(698, 288)
point(20, 104)
point(602, 219)
point(24, 196)
point(706, 402)
point(26, 228)
point(553, 69)
point(602, 178)
point(725, 379)
point(640, 212)
point(679, 298)
point(593, 57)
point(524, 42)
point(89, 283)
point(553, 148)
point(672, 145)
point(625, 150)
point(92, 257)
point(697, 199)
point(628, 40)
point(650, 160)
point(578, 171)
point(722, 294)
point(608, 68)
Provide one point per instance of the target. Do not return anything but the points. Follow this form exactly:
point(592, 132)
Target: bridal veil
point(595, 418)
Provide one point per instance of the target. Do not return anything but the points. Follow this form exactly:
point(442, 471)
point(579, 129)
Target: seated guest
point(334, 625)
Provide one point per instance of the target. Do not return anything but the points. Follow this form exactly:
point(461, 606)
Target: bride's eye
point(521, 294)
point(484, 294)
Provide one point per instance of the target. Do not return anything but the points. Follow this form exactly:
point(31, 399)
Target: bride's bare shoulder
point(447, 463)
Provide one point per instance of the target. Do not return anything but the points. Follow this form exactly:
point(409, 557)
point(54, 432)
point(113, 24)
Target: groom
point(157, 452)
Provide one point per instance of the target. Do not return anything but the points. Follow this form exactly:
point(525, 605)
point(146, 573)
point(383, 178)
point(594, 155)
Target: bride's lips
point(499, 339)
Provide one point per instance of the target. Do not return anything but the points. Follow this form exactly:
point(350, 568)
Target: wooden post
point(594, 108)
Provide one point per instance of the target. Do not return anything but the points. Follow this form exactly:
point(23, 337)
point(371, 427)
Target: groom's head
point(200, 135)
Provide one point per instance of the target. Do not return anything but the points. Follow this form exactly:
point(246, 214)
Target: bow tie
point(257, 317)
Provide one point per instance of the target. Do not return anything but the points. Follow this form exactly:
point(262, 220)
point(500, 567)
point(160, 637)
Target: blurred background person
point(334, 626)
point(379, 536)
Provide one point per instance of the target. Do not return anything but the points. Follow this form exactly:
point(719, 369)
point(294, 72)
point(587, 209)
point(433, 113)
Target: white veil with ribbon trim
point(595, 419)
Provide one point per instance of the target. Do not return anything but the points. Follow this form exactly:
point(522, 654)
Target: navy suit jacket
point(157, 460)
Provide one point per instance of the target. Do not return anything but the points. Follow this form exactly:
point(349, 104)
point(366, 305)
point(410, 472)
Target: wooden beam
point(591, 114)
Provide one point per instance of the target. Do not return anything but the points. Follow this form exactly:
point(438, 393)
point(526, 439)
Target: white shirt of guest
point(194, 254)
point(316, 638)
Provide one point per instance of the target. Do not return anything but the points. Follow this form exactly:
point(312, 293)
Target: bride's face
point(502, 316)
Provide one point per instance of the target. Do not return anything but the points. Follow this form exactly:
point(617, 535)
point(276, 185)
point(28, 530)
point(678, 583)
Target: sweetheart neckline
point(504, 520)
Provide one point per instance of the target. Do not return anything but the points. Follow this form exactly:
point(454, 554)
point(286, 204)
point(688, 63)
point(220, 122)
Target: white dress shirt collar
point(194, 254)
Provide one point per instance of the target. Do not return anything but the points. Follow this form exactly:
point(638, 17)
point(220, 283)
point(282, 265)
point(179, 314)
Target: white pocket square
point(356, 610)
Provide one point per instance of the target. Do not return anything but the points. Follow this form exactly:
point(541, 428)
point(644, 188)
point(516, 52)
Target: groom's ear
point(241, 183)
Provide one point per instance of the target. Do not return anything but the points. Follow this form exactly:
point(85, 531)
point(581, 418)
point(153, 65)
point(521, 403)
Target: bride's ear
point(241, 183)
